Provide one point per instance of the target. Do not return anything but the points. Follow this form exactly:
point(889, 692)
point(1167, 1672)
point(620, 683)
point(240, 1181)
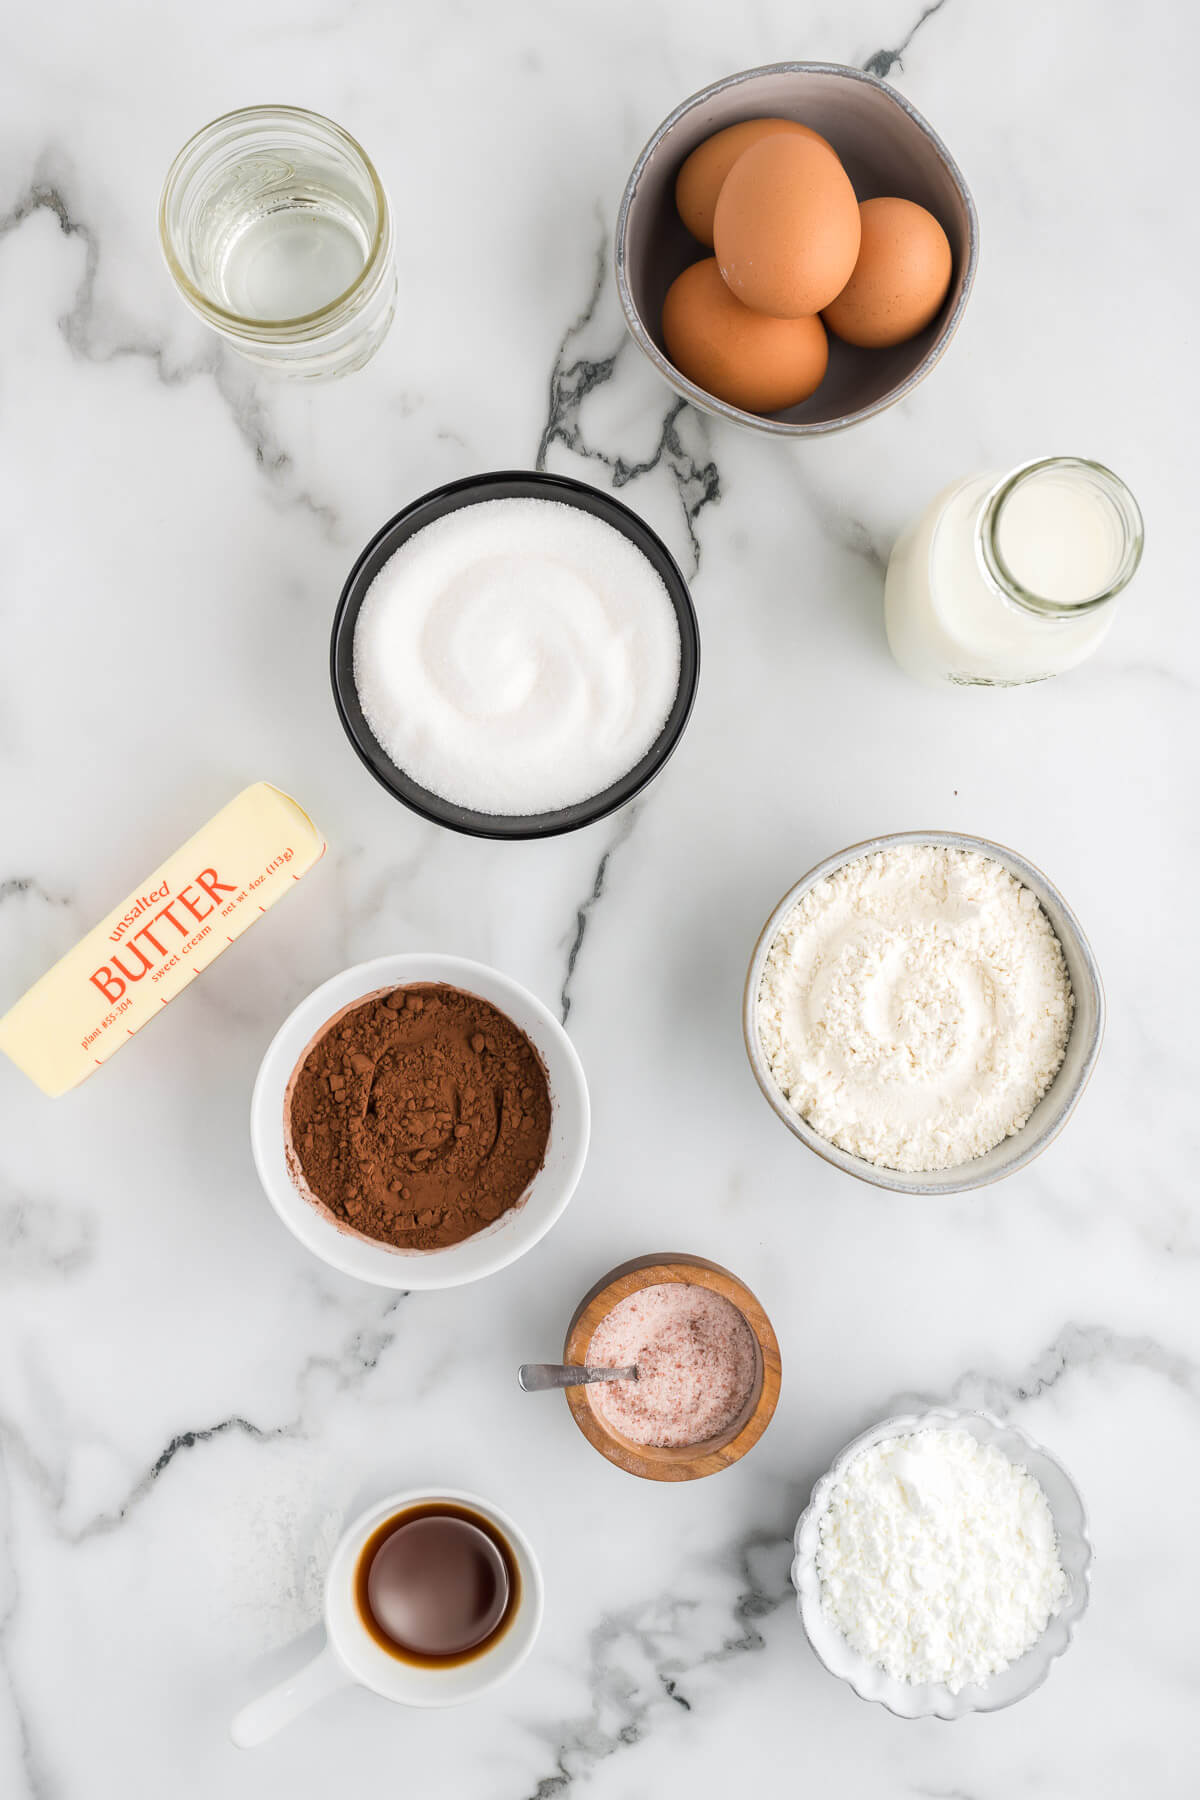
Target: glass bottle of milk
point(1012, 578)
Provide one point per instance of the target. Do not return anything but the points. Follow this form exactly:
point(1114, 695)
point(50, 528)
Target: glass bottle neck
point(1060, 537)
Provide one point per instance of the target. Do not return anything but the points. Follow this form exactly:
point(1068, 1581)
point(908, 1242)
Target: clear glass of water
point(277, 232)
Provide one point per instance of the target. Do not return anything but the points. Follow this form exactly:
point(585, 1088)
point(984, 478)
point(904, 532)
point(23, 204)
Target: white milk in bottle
point(1011, 578)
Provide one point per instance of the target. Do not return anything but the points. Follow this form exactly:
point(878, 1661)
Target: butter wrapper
point(160, 938)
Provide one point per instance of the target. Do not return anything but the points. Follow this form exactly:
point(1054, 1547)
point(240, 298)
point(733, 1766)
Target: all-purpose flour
point(938, 1558)
point(915, 1006)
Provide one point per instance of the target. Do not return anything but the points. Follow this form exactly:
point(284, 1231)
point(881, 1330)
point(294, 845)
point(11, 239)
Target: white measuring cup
point(351, 1654)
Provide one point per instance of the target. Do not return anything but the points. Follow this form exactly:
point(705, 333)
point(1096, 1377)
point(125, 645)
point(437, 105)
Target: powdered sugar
point(938, 1558)
point(697, 1364)
point(915, 1006)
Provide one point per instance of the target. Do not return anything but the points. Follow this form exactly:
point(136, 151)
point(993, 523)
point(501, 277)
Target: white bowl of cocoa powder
point(420, 1121)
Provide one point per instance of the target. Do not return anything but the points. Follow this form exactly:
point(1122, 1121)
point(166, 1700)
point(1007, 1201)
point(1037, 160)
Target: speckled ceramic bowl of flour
point(1057, 1103)
point(925, 1700)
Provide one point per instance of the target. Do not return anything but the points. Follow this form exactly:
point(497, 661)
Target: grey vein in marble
point(583, 914)
point(20, 887)
point(36, 1783)
point(41, 1237)
point(884, 61)
point(639, 1634)
point(78, 327)
point(573, 377)
point(1075, 1349)
point(571, 381)
point(357, 1358)
point(185, 1440)
point(857, 540)
point(840, 527)
point(28, 965)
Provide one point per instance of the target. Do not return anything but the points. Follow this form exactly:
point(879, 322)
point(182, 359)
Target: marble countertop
point(190, 1405)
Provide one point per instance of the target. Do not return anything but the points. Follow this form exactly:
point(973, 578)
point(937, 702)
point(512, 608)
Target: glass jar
point(277, 232)
point(1012, 578)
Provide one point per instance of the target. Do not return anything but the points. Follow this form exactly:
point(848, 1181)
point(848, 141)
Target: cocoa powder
point(419, 1116)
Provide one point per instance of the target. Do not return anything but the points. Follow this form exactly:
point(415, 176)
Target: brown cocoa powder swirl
point(418, 1116)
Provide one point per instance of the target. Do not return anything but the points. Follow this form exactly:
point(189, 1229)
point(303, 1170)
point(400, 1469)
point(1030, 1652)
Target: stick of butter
point(160, 938)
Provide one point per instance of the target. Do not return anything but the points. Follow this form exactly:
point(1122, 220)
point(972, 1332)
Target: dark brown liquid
point(436, 1584)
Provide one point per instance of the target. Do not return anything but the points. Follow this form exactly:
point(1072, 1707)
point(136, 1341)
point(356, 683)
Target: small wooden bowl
point(692, 1460)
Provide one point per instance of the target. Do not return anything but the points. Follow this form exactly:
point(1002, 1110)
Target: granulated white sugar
point(517, 656)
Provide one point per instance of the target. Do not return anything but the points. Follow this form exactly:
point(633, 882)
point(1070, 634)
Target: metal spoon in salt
point(535, 1378)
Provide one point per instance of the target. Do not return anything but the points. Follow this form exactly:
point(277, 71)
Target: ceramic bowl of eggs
point(795, 248)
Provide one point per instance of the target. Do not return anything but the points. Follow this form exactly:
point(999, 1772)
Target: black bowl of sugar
point(515, 655)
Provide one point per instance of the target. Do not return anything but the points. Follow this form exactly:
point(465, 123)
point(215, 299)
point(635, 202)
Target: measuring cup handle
point(280, 1705)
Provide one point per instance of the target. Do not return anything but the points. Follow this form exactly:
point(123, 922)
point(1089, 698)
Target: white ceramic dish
point(1057, 1103)
point(932, 1699)
point(498, 1244)
point(352, 1655)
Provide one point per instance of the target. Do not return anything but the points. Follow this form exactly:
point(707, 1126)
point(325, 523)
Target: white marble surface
point(189, 1405)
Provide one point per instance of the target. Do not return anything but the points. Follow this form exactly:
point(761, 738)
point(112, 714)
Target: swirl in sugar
point(516, 656)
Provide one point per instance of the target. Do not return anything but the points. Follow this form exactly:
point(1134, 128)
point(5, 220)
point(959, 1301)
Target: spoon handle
point(535, 1378)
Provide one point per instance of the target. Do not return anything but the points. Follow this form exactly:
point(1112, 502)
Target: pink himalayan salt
point(697, 1365)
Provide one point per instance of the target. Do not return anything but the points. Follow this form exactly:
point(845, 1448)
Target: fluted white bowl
point(931, 1699)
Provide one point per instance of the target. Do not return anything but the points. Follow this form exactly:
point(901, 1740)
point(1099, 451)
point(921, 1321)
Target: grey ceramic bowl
point(886, 147)
point(930, 1699)
point(1057, 1103)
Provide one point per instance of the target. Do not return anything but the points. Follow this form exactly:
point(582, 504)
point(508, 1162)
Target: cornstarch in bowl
point(938, 1558)
point(517, 656)
point(697, 1365)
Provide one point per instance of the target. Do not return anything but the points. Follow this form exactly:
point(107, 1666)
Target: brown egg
point(786, 228)
point(744, 358)
point(900, 279)
point(699, 180)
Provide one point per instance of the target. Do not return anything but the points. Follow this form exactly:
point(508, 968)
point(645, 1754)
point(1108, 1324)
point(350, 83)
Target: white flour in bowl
point(915, 1006)
point(938, 1558)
